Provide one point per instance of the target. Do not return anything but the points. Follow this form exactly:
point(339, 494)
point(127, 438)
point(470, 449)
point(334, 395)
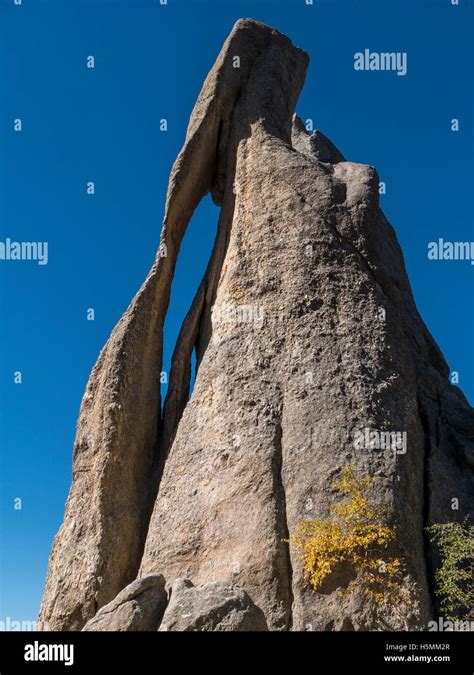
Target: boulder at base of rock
point(218, 606)
point(139, 607)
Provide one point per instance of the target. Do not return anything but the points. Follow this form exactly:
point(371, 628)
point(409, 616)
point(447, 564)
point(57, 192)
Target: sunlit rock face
point(307, 338)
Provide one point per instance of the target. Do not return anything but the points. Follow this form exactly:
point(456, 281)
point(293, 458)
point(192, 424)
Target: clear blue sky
point(102, 125)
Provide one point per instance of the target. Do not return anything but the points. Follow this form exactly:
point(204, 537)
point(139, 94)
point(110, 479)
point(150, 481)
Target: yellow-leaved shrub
point(357, 533)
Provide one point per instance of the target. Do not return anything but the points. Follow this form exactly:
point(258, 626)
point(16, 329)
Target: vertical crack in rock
point(283, 531)
point(427, 547)
point(180, 372)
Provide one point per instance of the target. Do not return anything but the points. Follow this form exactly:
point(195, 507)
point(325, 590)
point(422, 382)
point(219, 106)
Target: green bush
point(455, 576)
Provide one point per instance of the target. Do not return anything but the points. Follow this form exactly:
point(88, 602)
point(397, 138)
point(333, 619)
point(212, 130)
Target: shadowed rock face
point(306, 332)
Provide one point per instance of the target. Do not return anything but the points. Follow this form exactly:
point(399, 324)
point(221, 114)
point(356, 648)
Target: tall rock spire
point(306, 332)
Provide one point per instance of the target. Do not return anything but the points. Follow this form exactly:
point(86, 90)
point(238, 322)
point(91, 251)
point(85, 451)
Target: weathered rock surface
point(217, 606)
point(139, 607)
point(306, 332)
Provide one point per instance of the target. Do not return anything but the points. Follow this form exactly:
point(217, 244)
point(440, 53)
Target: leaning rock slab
point(139, 607)
point(220, 606)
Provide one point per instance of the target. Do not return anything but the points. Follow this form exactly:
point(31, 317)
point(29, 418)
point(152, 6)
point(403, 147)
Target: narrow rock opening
point(193, 372)
point(191, 265)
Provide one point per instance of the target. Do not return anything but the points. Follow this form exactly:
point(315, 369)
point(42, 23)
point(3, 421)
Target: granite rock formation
point(139, 607)
point(216, 606)
point(306, 331)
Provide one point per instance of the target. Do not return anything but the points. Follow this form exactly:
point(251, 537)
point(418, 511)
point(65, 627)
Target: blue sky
point(103, 125)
